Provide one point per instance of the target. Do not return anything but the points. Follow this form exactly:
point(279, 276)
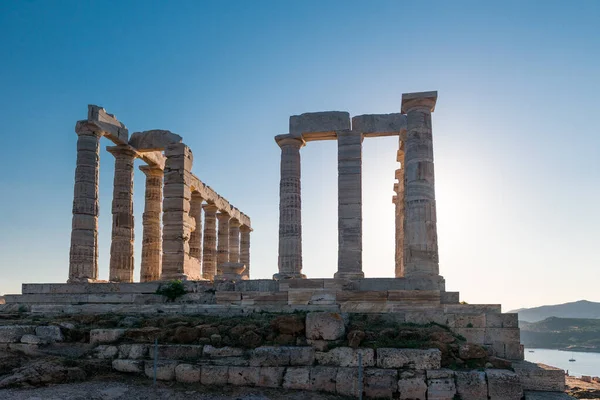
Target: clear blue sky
point(516, 133)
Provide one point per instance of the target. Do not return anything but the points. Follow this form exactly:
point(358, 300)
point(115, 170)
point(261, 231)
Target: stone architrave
point(177, 223)
point(245, 249)
point(349, 204)
point(121, 247)
point(209, 253)
point(151, 220)
point(234, 241)
point(290, 209)
point(83, 254)
point(223, 244)
point(196, 235)
point(420, 230)
point(399, 212)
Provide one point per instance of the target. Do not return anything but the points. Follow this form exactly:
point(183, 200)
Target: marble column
point(223, 245)
point(420, 230)
point(121, 247)
point(151, 220)
point(290, 206)
point(83, 254)
point(399, 213)
point(196, 235)
point(245, 249)
point(234, 241)
point(209, 254)
point(349, 205)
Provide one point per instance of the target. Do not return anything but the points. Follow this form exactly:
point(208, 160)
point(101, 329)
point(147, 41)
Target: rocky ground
point(583, 390)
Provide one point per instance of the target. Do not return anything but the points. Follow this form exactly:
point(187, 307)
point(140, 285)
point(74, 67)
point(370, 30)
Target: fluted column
point(245, 249)
point(349, 205)
point(234, 240)
point(223, 245)
point(209, 254)
point(151, 220)
point(399, 212)
point(196, 235)
point(290, 209)
point(121, 247)
point(83, 254)
point(420, 229)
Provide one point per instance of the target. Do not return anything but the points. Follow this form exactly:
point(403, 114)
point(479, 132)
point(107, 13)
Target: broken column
point(290, 207)
point(177, 223)
point(420, 231)
point(196, 235)
point(121, 247)
point(151, 237)
point(234, 241)
point(223, 244)
point(399, 212)
point(209, 253)
point(349, 205)
point(245, 249)
point(83, 254)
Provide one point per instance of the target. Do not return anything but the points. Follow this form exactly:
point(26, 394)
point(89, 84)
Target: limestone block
point(301, 355)
point(270, 377)
point(269, 356)
point(503, 385)
point(380, 383)
point(227, 297)
point(214, 352)
point(106, 352)
point(13, 333)
point(366, 296)
point(426, 317)
point(214, 375)
point(327, 121)
point(473, 335)
point(379, 124)
point(346, 382)
point(106, 335)
point(507, 320)
point(322, 297)
point(49, 332)
point(177, 352)
point(540, 377)
point(297, 378)
point(165, 370)
point(412, 386)
point(153, 140)
point(415, 296)
point(325, 326)
point(231, 361)
point(471, 385)
point(130, 366)
point(450, 297)
point(440, 384)
point(33, 339)
point(133, 351)
point(243, 376)
point(514, 351)
point(187, 373)
point(323, 379)
point(504, 335)
point(468, 321)
point(346, 357)
point(409, 358)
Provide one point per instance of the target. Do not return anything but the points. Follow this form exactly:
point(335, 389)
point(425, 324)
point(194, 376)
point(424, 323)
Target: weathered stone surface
point(177, 352)
point(13, 333)
point(270, 356)
point(471, 385)
point(131, 366)
point(539, 376)
point(503, 385)
point(106, 335)
point(165, 370)
point(106, 351)
point(133, 351)
point(214, 375)
point(214, 352)
point(471, 351)
point(243, 376)
point(297, 378)
point(379, 124)
point(346, 357)
point(301, 355)
point(412, 386)
point(319, 122)
point(324, 326)
point(346, 382)
point(409, 358)
point(33, 339)
point(187, 373)
point(380, 383)
point(323, 379)
point(153, 140)
point(50, 332)
point(270, 376)
point(440, 384)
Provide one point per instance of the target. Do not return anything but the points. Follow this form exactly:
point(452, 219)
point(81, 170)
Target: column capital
point(289, 140)
point(234, 223)
point(151, 170)
point(223, 215)
point(210, 208)
point(425, 100)
point(88, 128)
point(122, 150)
point(245, 228)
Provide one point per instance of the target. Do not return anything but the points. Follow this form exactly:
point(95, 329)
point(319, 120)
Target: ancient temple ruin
point(177, 248)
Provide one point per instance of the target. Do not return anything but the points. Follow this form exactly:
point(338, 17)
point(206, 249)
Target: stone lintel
point(212, 197)
point(115, 130)
point(374, 125)
point(153, 140)
point(319, 125)
point(419, 99)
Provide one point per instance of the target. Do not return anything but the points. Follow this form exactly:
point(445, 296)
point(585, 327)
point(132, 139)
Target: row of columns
point(415, 211)
point(233, 238)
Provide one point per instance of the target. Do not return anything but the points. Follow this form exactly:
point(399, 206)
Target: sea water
point(585, 364)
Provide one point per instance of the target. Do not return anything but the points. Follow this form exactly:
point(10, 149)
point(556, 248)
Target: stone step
point(540, 377)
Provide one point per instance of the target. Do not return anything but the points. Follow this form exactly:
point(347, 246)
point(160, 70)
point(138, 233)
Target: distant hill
point(577, 309)
point(562, 333)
